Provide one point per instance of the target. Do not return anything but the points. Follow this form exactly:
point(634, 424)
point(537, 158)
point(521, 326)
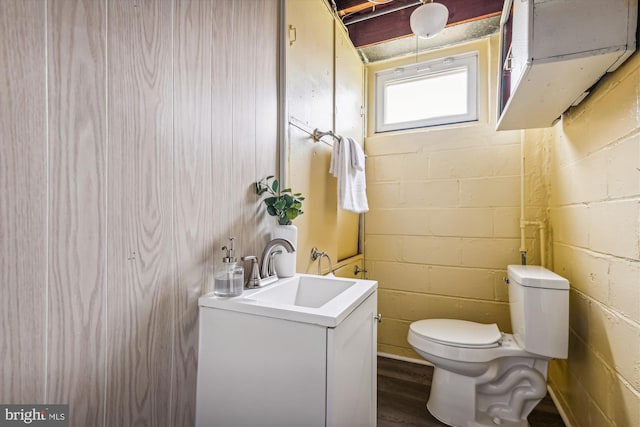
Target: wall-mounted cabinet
point(553, 51)
point(324, 90)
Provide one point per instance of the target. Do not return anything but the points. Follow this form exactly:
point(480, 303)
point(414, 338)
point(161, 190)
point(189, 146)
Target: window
point(436, 92)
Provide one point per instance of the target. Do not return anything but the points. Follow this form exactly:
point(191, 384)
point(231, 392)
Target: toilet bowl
point(483, 377)
point(469, 380)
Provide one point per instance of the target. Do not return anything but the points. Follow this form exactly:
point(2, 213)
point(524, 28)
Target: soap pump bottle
point(229, 276)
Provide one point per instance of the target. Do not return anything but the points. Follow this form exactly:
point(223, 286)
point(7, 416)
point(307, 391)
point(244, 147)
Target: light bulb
point(429, 19)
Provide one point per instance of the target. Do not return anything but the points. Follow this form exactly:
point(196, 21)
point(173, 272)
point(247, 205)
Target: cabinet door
point(514, 47)
point(309, 76)
point(349, 122)
point(259, 371)
point(504, 82)
point(520, 41)
point(351, 368)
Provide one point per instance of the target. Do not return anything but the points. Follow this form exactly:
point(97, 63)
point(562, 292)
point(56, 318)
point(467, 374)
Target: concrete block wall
point(444, 218)
point(445, 210)
point(593, 178)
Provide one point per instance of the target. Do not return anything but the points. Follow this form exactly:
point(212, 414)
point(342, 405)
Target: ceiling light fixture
point(429, 19)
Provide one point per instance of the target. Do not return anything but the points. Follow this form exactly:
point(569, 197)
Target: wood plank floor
point(403, 390)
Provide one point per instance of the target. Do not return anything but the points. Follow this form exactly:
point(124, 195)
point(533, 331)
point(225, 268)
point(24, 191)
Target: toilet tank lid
point(458, 333)
point(535, 276)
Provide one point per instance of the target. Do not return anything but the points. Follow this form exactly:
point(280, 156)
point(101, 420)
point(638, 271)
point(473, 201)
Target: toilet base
point(451, 404)
point(483, 421)
point(462, 401)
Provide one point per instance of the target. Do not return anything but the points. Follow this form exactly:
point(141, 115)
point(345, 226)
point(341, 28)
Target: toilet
point(483, 377)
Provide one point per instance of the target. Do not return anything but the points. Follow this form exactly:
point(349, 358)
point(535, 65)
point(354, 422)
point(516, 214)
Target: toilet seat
point(458, 333)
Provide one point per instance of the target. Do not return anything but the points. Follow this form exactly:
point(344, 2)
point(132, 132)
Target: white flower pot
point(285, 263)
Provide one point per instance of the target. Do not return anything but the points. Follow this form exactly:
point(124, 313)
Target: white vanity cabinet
point(257, 370)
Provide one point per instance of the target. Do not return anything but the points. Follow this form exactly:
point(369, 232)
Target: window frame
point(422, 70)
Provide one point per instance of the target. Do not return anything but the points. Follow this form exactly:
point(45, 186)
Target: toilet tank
point(539, 306)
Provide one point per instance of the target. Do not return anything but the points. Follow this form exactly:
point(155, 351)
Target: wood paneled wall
point(130, 134)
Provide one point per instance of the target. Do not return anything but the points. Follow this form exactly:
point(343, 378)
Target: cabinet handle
point(508, 59)
point(378, 317)
point(293, 35)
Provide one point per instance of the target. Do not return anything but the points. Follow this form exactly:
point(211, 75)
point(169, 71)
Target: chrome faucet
point(264, 273)
point(266, 260)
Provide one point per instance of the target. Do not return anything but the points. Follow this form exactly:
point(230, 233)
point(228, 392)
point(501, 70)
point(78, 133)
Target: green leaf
point(279, 204)
point(292, 213)
point(284, 221)
point(283, 204)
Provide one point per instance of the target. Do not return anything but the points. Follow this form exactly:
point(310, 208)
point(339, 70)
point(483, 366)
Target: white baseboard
point(404, 359)
point(559, 407)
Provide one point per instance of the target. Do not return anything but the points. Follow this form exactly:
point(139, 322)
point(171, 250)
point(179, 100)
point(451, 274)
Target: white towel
point(347, 164)
point(336, 155)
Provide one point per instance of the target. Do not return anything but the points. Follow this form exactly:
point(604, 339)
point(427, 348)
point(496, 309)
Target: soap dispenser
point(229, 276)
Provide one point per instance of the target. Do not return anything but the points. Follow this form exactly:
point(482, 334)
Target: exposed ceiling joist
point(368, 23)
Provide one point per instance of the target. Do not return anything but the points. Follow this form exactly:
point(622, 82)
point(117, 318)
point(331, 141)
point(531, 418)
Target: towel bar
point(317, 134)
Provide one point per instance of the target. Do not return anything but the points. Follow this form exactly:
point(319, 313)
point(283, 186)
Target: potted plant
point(282, 203)
point(286, 206)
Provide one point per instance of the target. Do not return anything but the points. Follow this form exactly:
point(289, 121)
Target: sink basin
point(322, 300)
point(304, 291)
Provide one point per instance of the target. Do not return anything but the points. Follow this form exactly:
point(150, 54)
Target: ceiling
point(380, 29)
